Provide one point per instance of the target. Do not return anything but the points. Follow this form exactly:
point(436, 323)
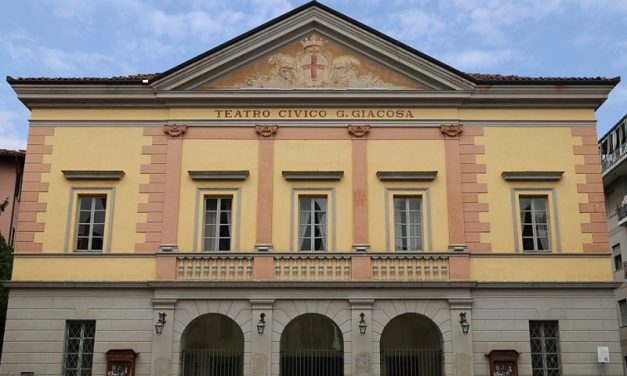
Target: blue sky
point(73, 38)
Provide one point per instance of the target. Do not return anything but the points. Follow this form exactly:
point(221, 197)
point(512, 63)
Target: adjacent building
point(312, 198)
point(11, 169)
point(613, 149)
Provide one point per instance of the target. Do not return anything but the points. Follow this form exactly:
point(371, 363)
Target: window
point(312, 223)
point(617, 257)
point(91, 223)
point(622, 307)
point(545, 357)
point(79, 348)
point(407, 223)
point(218, 219)
point(534, 223)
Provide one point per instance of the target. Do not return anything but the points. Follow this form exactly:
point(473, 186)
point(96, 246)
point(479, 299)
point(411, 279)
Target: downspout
point(16, 189)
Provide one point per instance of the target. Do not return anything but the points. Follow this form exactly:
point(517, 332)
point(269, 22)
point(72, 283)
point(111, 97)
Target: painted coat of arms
point(313, 67)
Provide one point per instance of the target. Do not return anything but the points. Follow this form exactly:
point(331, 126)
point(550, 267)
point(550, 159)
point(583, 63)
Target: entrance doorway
point(312, 345)
point(212, 345)
point(411, 345)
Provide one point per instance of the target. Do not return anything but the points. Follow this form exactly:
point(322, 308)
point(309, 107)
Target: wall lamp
point(362, 324)
point(160, 323)
point(261, 325)
point(464, 323)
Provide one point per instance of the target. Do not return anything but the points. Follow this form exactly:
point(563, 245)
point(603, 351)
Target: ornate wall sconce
point(464, 323)
point(160, 324)
point(362, 324)
point(261, 325)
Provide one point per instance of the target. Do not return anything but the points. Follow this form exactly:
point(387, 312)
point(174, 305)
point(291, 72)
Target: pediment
point(313, 47)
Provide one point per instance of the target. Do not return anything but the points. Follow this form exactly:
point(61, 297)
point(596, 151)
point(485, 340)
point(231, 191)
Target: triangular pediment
point(313, 47)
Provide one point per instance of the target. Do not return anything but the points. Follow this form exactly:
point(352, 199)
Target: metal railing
point(215, 267)
point(212, 362)
point(411, 362)
point(415, 267)
point(312, 362)
point(322, 267)
point(608, 160)
point(621, 211)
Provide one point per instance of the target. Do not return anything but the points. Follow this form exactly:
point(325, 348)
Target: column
point(172, 190)
point(360, 186)
point(454, 185)
point(261, 345)
point(265, 173)
point(462, 343)
point(162, 343)
point(361, 343)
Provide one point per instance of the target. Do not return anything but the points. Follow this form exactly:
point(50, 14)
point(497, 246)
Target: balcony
point(609, 160)
point(313, 267)
point(621, 214)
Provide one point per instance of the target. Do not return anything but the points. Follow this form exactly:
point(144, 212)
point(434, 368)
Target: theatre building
point(312, 198)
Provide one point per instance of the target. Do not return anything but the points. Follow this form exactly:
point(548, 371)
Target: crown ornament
point(314, 41)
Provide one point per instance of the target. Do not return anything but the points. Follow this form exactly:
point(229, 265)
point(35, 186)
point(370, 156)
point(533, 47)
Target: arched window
point(212, 345)
point(411, 345)
point(312, 345)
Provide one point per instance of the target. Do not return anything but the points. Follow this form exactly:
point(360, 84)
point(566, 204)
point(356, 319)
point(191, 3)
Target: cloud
point(10, 135)
point(478, 60)
point(416, 24)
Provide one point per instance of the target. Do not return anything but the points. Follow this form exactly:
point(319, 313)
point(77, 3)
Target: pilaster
point(162, 343)
point(261, 344)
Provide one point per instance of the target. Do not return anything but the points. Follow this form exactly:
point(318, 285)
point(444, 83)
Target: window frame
point(408, 224)
point(425, 216)
point(543, 338)
point(199, 215)
point(295, 193)
point(92, 223)
point(81, 338)
point(217, 223)
point(72, 221)
point(312, 223)
point(534, 210)
point(553, 229)
point(623, 317)
point(617, 266)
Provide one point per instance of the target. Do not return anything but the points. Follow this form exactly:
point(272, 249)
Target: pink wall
point(7, 189)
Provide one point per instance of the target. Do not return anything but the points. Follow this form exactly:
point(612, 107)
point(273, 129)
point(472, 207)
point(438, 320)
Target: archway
point(312, 345)
point(411, 345)
point(212, 345)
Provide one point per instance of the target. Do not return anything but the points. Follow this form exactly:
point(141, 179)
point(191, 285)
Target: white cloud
point(10, 135)
point(478, 60)
point(415, 24)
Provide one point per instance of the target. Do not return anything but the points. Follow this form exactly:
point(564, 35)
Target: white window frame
point(217, 223)
point(543, 338)
point(311, 211)
point(552, 218)
point(71, 233)
point(408, 225)
point(535, 236)
point(425, 216)
point(81, 339)
point(92, 215)
point(199, 214)
point(295, 193)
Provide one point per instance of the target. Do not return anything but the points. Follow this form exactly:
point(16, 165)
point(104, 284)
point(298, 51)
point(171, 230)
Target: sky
point(75, 38)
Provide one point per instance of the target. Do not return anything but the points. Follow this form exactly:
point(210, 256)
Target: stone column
point(462, 343)
point(162, 344)
point(361, 344)
point(261, 345)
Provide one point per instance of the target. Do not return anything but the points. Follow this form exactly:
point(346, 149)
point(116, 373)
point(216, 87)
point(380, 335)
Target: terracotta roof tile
point(12, 153)
point(511, 77)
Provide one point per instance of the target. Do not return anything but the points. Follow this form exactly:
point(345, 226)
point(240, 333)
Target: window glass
point(545, 349)
point(312, 223)
point(534, 223)
point(622, 306)
point(79, 348)
point(618, 257)
point(90, 223)
point(407, 223)
point(217, 228)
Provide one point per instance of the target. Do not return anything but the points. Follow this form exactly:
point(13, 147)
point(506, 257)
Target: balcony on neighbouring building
point(613, 146)
point(621, 214)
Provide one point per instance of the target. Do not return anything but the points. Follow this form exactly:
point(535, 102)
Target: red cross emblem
point(313, 66)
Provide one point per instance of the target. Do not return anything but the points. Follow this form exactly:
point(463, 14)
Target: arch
point(212, 344)
point(411, 345)
point(311, 344)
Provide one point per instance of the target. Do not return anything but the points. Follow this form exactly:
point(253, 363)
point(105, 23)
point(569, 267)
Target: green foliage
point(6, 266)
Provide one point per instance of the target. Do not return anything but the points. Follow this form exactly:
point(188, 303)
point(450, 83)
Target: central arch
point(212, 345)
point(312, 345)
point(411, 345)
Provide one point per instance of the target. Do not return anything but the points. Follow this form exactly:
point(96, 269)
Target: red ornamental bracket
point(175, 130)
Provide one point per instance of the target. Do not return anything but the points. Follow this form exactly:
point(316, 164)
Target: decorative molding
point(93, 174)
point(223, 175)
point(407, 175)
point(313, 175)
point(266, 130)
point(451, 130)
point(532, 175)
point(359, 130)
point(175, 130)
